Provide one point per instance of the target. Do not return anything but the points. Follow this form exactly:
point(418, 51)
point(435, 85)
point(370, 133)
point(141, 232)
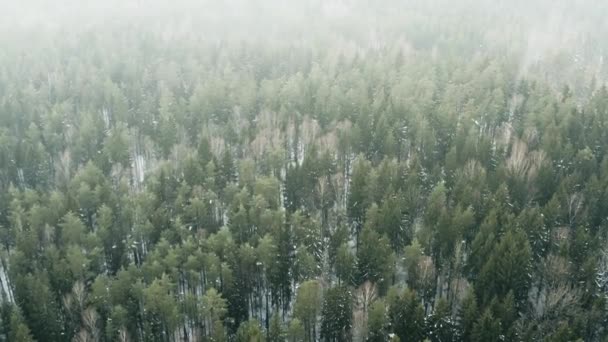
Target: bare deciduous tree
point(522, 163)
point(365, 295)
point(123, 335)
point(575, 204)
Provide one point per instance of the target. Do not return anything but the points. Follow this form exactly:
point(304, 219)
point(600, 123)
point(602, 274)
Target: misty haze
point(303, 170)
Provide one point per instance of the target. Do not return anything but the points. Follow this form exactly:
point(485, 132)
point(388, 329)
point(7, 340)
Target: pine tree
point(296, 331)
point(308, 307)
point(406, 316)
point(276, 332)
point(249, 332)
point(19, 331)
point(467, 316)
point(337, 315)
point(487, 328)
point(440, 325)
point(508, 269)
point(227, 170)
point(375, 260)
point(345, 265)
point(392, 222)
point(377, 322)
point(357, 199)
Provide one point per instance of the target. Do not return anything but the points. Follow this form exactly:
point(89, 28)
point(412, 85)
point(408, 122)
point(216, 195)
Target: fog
point(532, 31)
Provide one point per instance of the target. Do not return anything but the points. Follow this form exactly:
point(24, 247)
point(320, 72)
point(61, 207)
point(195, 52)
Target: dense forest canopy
point(303, 171)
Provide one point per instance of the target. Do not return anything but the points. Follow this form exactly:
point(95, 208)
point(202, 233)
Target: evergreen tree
point(276, 332)
point(440, 325)
point(19, 331)
point(507, 269)
point(163, 186)
point(487, 328)
point(406, 316)
point(337, 315)
point(467, 316)
point(377, 322)
point(307, 307)
point(249, 332)
point(357, 199)
point(296, 331)
point(375, 260)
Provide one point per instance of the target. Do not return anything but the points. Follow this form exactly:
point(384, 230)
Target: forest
point(310, 171)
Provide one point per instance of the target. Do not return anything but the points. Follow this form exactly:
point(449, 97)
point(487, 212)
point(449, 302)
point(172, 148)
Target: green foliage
point(487, 328)
point(406, 316)
point(357, 199)
point(375, 259)
point(440, 325)
point(160, 306)
point(276, 331)
point(337, 315)
point(296, 331)
point(249, 332)
point(307, 307)
point(157, 185)
point(467, 316)
point(377, 323)
point(19, 331)
point(345, 265)
point(507, 269)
